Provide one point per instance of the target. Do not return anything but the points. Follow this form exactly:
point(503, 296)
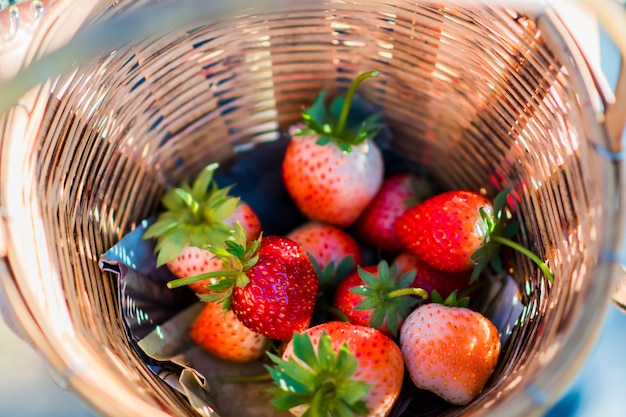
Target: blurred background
point(28, 390)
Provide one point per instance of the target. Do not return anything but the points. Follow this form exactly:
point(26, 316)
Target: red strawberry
point(376, 296)
point(326, 243)
point(460, 230)
point(445, 230)
point(280, 295)
point(332, 169)
point(272, 287)
point(429, 278)
point(338, 369)
point(451, 351)
point(220, 333)
point(398, 192)
point(197, 217)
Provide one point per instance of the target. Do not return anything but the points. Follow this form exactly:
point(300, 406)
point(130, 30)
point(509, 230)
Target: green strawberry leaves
point(332, 125)
point(170, 244)
point(329, 277)
point(452, 300)
point(421, 189)
point(237, 255)
point(499, 232)
point(194, 215)
point(322, 380)
point(494, 221)
point(221, 292)
point(387, 295)
point(333, 274)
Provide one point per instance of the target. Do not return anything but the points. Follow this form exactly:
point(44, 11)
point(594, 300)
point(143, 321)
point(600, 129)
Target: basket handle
point(612, 16)
point(616, 112)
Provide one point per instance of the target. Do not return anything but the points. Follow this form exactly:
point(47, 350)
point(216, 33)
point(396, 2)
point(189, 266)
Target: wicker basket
point(484, 97)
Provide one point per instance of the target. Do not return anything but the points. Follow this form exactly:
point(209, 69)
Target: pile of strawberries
point(341, 333)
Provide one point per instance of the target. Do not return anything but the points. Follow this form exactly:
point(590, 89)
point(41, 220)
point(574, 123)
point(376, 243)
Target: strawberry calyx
point(499, 233)
point(421, 189)
point(240, 255)
point(323, 380)
point(331, 123)
point(333, 273)
point(329, 277)
point(194, 215)
point(457, 298)
point(386, 295)
point(453, 300)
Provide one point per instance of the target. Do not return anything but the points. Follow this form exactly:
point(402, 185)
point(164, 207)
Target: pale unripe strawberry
point(328, 184)
point(332, 167)
point(194, 261)
point(220, 333)
point(326, 243)
point(198, 217)
point(245, 215)
point(451, 351)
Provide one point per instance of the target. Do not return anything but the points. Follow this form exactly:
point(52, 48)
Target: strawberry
point(445, 230)
point(334, 255)
point(376, 296)
point(221, 333)
point(338, 369)
point(332, 169)
point(451, 351)
point(430, 279)
point(460, 230)
point(375, 225)
point(271, 286)
point(197, 217)
point(326, 243)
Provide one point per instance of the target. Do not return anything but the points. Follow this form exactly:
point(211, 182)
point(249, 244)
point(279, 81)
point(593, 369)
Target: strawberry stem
point(345, 109)
point(507, 242)
point(180, 282)
point(265, 377)
point(407, 291)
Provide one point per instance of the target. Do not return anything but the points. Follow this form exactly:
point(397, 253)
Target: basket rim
point(90, 384)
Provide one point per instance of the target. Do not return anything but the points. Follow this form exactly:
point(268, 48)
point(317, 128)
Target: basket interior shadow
point(473, 96)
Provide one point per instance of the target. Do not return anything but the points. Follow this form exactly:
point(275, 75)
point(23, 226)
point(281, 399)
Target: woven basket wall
point(483, 97)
